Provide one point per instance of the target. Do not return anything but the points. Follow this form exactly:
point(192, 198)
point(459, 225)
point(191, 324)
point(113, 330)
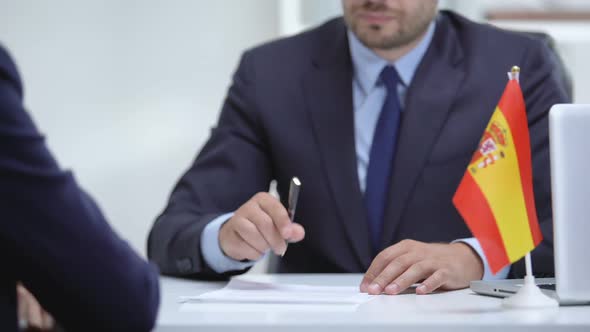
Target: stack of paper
point(244, 291)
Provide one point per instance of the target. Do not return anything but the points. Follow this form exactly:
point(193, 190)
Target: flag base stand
point(529, 296)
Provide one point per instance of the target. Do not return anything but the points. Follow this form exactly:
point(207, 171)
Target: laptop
point(569, 143)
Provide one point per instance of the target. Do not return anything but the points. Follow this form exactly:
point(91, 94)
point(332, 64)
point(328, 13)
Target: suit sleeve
point(542, 87)
point(231, 167)
point(55, 238)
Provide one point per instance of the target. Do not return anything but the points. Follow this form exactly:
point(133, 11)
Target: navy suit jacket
point(54, 239)
point(289, 113)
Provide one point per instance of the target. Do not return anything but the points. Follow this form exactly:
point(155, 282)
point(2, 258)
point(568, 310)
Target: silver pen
point(294, 188)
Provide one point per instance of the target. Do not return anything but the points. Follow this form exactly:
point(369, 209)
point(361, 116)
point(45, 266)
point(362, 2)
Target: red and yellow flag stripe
point(495, 197)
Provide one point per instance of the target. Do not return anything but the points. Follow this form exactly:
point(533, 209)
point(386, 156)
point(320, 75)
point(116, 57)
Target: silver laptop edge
point(569, 143)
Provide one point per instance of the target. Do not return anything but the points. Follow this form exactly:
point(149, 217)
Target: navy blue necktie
point(381, 156)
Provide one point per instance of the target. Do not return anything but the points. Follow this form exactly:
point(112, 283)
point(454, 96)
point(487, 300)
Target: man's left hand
point(433, 265)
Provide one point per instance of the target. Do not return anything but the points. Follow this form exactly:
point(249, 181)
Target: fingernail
point(364, 286)
point(374, 288)
point(392, 289)
point(421, 289)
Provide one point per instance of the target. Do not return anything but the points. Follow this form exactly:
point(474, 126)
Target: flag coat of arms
point(495, 196)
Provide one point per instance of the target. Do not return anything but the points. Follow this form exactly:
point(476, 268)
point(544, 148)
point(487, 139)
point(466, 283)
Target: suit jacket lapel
point(328, 93)
point(428, 102)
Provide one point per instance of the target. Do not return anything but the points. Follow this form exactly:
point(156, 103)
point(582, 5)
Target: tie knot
point(390, 78)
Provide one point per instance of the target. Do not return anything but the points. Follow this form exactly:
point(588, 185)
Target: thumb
point(297, 233)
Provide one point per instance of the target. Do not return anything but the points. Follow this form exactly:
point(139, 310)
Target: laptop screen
point(569, 141)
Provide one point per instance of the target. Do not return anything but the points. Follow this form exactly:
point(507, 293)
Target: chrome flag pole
point(529, 296)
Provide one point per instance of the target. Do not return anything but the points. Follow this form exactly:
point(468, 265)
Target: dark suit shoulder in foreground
point(54, 239)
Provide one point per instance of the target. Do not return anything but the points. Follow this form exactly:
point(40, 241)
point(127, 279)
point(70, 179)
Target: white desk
point(448, 311)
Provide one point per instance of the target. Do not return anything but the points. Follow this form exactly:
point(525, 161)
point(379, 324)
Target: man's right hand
point(260, 224)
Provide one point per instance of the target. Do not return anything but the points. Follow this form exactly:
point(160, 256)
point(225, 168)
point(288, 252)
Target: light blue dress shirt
point(368, 97)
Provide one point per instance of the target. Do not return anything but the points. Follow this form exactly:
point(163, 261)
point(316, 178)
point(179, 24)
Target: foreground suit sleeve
point(56, 240)
point(230, 169)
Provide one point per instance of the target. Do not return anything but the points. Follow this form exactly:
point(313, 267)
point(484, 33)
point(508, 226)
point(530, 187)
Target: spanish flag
point(495, 196)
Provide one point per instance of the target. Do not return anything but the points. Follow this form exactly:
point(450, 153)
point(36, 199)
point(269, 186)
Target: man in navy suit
point(378, 114)
point(54, 239)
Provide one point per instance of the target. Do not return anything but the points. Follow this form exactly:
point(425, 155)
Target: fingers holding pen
point(261, 223)
point(277, 213)
point(289, 231)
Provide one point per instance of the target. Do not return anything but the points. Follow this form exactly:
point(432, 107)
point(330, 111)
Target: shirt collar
point(368, 65)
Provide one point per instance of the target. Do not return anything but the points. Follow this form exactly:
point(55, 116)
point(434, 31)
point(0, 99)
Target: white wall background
point(127, 91)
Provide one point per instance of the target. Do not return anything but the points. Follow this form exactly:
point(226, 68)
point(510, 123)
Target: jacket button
point(184, 265)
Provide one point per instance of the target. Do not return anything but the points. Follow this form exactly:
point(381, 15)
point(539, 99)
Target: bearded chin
point(372, 39)
point(383, 42)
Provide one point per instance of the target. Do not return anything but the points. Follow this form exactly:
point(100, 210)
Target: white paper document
point(244, 291)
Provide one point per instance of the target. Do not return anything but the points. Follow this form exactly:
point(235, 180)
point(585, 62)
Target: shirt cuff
point(212, 253)
point(487, 273)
